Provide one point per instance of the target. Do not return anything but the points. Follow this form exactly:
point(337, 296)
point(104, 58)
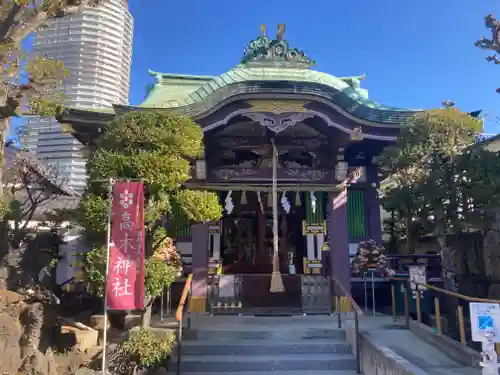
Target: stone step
point(285, 372)
point(259, 347)
point(264, 333)
point(269, 362)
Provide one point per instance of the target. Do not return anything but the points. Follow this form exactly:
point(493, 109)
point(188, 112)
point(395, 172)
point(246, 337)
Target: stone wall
point(376, 359)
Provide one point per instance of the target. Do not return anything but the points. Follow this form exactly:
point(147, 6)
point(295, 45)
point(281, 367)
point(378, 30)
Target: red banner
point(125, 283)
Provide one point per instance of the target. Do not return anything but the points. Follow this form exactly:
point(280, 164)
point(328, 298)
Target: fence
point(249, 294)
point(444, 311)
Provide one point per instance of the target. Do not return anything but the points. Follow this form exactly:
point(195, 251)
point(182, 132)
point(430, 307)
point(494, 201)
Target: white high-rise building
point(96, 48)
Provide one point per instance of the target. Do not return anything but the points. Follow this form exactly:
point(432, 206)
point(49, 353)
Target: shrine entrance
point(246, 255)
point(247, 237)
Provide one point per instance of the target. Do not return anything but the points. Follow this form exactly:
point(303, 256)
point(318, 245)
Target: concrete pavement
point(410, 348)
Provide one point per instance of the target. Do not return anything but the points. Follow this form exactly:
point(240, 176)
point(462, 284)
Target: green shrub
point(94, 271)
point(158, 276)
point(147, 349)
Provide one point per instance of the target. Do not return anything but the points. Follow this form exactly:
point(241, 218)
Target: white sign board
point(485, 318)
point(417, 275)
point(226, 286)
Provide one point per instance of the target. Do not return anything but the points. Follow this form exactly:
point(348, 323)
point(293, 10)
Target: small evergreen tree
point(442, 177)
point(157, 148)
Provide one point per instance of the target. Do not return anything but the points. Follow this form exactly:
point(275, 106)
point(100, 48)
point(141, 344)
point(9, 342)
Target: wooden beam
point(243, 142)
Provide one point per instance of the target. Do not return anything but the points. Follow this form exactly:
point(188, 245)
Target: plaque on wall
point(226, 286)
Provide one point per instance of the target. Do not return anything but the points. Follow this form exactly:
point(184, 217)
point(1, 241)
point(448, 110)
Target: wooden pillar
point(339, 243)
point(261, 234)
point(200, 268)
point(373, 205)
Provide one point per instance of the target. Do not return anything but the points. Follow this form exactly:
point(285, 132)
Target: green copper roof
point(268, 65)
point(202, 92)
point(267, 62)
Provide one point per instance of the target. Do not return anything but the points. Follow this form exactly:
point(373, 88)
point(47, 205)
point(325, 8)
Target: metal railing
point(340, 291)
point(179, 317)
point(250, 294)
point(450, 309)
point(165, 306)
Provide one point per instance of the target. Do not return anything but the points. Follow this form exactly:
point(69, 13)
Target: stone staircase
point(264, 345)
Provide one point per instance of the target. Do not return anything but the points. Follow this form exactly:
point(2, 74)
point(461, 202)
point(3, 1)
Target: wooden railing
point(339, 291)
point(184, 298)
point(179, 316)
point(439, 293)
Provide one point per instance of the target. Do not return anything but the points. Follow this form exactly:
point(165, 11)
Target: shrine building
point(323, 128)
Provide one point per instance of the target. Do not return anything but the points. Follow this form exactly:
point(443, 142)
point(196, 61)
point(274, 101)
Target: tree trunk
point(4, 132)
point(410, 248)
point(444, 251)
point(147, 313)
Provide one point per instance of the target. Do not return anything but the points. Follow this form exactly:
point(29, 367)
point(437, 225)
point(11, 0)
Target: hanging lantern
point(243, 197)
point(269, 200)
point(200, 169)
point(341, 170)
point(298, 203)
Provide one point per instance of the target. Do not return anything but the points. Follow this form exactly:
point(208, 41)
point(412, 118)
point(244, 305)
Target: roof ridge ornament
point(275, 52)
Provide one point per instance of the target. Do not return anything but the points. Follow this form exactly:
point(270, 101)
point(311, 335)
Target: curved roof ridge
point(180, 76)
point(243, 73)
point(246, 78)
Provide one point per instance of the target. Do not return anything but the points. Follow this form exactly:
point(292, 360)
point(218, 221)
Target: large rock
point(84, 338)
point(33, 318)
point(10, 334)
point(38, 363)
point(491, 253)
point(24, 339)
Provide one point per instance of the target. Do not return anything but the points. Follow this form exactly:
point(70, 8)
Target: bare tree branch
point(8, 23)
point(32, 187)
point(493, 44)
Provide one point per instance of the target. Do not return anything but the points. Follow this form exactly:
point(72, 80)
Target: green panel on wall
point(178, 224)
point(356, 213)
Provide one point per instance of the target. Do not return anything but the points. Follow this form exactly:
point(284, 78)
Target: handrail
point(437, 305)
point(357, 313)
point(184, 296)
point(179, 315)
point(450, 293)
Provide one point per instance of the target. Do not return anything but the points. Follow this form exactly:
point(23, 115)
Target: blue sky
point(415, 53)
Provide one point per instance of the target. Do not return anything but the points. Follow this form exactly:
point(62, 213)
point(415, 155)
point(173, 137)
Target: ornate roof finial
point(262, 30)
point(448, 103)
point(280, 32)
point(277, 52)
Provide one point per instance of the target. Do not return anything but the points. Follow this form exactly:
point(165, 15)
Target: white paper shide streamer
point(285, 203)
point(313, 202)
point(229, 205)
point(259, 199)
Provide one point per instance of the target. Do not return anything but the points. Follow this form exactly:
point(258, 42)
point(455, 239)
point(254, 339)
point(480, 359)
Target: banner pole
point(108, 243)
